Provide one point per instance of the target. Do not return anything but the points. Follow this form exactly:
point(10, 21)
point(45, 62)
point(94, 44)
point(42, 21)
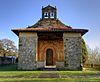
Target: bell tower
point(49, 12)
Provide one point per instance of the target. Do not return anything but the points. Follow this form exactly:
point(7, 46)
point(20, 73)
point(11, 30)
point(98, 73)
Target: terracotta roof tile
point(49, 25)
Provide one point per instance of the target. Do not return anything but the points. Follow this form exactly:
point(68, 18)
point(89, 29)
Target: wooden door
point(49, 57)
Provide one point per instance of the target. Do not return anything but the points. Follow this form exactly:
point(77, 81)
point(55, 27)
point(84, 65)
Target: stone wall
point(27, 51)
point(72, 51)
point(67, 52)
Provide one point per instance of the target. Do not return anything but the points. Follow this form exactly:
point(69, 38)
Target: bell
point(52, 14)
point(46, 14)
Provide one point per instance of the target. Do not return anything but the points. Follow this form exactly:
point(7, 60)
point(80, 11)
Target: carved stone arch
point(56, 46)
point(54, 53)
point(43, 49)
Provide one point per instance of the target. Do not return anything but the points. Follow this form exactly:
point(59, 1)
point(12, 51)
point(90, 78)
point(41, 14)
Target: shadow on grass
point(12, 67)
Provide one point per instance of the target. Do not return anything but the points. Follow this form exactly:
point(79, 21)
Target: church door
point(49, 57)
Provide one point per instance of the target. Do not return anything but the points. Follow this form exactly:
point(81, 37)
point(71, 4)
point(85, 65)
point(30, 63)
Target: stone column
point(27, 51)
point(72, 51)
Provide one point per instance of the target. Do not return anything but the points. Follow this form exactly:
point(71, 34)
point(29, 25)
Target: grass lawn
point(50, 80)
point(10, 74)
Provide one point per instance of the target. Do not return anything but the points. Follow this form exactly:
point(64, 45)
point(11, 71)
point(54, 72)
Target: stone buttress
point(72, 51)
point(27, 51)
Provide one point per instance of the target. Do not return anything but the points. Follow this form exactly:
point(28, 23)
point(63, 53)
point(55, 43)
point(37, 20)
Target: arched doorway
point(49, 57)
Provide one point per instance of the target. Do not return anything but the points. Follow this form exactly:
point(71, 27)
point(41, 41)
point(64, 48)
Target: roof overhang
point(82, 31)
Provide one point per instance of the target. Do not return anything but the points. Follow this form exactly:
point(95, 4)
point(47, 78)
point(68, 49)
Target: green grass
point(50, 80)
point(10, 74)
point(19, 74)
point(78, 73)
point(91, 69)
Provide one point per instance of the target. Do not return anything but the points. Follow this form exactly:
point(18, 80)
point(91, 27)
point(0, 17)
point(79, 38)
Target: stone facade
point(27, 51)
point(49, 43)
point(67, 52)
point(72, 51)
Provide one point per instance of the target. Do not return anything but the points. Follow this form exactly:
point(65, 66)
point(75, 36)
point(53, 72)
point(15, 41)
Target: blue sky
point(83, 14)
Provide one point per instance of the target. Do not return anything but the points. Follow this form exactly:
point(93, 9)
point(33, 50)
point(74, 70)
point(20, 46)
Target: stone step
point(49, 69)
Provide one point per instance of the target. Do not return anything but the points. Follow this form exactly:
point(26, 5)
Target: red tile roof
point(82, 31)
point(49, 25)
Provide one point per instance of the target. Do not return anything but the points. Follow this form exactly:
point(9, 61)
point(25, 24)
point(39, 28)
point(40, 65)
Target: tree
point(9, 47)
point(1, 48)
point(84, 52)
point(1, 45)
point(93, 56)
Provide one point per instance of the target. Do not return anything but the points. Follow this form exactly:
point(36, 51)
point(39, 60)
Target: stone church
point(50, 44)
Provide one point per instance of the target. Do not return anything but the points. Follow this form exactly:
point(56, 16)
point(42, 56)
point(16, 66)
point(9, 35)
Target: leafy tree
point(1, 48)
point(9, 47)
point(84, 52)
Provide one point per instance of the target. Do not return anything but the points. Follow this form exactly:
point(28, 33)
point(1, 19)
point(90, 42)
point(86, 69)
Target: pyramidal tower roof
point(49, 19)
point(49, 23)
